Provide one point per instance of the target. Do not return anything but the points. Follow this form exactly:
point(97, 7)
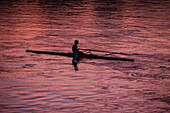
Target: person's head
point(76, 41)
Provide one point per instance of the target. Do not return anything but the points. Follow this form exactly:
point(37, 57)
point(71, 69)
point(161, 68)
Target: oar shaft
point(105, 51)
point(95, 50)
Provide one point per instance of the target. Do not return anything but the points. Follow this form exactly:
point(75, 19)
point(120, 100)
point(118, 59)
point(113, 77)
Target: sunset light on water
point(43, 83)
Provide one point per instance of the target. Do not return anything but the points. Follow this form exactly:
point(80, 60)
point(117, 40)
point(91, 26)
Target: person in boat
point(75, 49)
point(77, 54)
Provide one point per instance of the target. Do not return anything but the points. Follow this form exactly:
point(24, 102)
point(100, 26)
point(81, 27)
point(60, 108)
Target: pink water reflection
point(44, 83)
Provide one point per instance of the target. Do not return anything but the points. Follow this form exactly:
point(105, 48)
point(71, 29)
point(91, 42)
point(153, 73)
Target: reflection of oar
point(104, 51)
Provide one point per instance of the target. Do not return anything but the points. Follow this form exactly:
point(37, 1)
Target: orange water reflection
point(44, 83)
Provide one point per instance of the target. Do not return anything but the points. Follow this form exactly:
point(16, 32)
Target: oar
point(104, 51)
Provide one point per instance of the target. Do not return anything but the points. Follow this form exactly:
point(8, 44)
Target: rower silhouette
point(75, 47)
point(77, 55)
point(75, 51)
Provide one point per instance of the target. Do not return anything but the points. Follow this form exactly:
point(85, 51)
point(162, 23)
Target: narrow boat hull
point(81, 55)
point(51, 53)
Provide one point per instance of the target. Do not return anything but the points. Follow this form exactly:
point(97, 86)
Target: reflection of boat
point(81, 55)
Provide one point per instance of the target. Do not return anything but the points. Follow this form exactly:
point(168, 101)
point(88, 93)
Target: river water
point(40, 83)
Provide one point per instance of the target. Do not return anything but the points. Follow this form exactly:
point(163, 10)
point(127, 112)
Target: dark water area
point(40, 83)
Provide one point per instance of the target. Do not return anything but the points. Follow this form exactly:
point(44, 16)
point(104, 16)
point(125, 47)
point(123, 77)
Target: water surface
point(44, 83)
